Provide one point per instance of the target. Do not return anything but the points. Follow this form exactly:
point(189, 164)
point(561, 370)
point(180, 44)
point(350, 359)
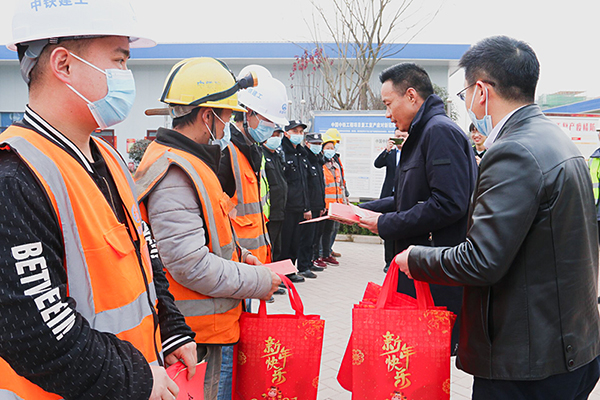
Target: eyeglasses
point(461, 94)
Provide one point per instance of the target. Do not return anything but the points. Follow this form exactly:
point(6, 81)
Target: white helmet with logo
point(268, 98)
point(37, 23)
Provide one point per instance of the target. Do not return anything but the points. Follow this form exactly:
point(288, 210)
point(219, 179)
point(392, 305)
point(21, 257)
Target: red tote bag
point(279, 355)
point(400, 347)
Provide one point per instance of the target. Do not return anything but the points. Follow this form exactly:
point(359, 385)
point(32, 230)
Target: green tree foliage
point(137, 150)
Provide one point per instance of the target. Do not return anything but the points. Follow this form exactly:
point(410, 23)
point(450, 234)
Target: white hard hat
point(268, 98)
point(260, 71)
point(38, 19)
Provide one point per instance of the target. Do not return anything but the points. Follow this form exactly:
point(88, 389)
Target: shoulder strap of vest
point(110, 320)
point(150, 178)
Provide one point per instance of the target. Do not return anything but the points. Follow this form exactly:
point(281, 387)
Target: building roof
point(277, 50)
point(582, 107)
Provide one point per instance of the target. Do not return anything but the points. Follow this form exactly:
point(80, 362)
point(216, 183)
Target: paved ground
point(332, 295)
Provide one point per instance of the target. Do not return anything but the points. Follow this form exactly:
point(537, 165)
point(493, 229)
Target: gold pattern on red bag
point(395, 351)
point(315, 382)
point(276, 359)
point(446, 386)
point(242, 358)
point(358, 357)
point(314, 329)
point(438, 320)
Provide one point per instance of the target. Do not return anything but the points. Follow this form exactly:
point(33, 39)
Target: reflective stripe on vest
point(94, 242)
point(250, 222)
point(158, 168)
point(80, 287)
point(265, 194)
point(200, 310)
point(594, 165)
point(241, 207)
point(7, 395)
point(333, 185)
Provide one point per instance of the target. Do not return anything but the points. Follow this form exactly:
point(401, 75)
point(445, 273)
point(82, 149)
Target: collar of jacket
point(432, 105)
point(529, 111)
point(288, 147)
point(314, 159)
point(252, 151)
point(596, 154)
point(208, 153)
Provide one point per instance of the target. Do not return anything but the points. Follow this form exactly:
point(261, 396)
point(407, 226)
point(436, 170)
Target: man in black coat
point(529, 266)
point(278, 189)
point(316, 194)
point(389, 158)
point(297, 207)
point(435, 177)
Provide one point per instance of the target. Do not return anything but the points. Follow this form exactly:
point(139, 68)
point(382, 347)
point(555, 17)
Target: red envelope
point(192, 389)
point(283, 267)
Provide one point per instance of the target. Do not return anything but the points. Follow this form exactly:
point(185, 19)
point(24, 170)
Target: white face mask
point(224, 141)
point(116, 105)
point(483, 125)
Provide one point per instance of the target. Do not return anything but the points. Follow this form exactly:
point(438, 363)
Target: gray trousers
point(212, 355)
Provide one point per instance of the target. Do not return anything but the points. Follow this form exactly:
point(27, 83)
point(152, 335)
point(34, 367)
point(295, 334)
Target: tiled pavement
point(332, 295)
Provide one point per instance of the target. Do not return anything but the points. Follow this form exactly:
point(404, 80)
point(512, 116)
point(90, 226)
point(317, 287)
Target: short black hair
point(472, 127)
point(510, 65)
point(190, 118)
point(407, 75)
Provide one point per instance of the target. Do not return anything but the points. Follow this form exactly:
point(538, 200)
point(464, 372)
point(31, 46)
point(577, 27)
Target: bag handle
point(390, 284)
point(295, 300)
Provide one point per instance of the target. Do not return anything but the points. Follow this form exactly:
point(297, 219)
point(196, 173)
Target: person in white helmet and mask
point(242, 166)
point(80, 296)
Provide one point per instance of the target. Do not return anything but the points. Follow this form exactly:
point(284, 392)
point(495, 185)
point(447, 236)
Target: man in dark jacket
point(297, 207)
point(389, 158)
point(316, 193)
point(529, 266)
point(435, 177)
point(275, 171)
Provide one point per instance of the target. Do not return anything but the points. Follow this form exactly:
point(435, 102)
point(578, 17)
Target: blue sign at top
point(354, 123)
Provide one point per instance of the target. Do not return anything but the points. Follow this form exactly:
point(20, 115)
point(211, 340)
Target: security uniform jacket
point(388, 160)
point(529, 266)
point(434, 182)
point(278, 189)
point(77, 274)
point(296, 175)
point(316, 181)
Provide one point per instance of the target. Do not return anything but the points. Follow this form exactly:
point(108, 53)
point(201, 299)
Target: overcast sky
point(564, 34)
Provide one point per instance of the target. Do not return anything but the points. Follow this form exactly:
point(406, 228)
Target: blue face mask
point(262, 132)
point(116, 105)
point(273, 142)
point(316, 148)
point(224, 141)
point(329, 153)
point(483, 125)
point(296, 138)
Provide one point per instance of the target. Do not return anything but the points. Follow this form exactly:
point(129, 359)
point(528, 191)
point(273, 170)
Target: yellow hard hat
point(331, 135)
point(201, 82)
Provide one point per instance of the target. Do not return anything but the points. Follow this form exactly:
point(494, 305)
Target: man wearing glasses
point(529, 266)
point(434, 180)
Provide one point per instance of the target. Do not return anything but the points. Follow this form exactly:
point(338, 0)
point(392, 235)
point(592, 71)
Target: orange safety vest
point(249, 224)
point(334, 191)
point(215, 321)
point(106, 273)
